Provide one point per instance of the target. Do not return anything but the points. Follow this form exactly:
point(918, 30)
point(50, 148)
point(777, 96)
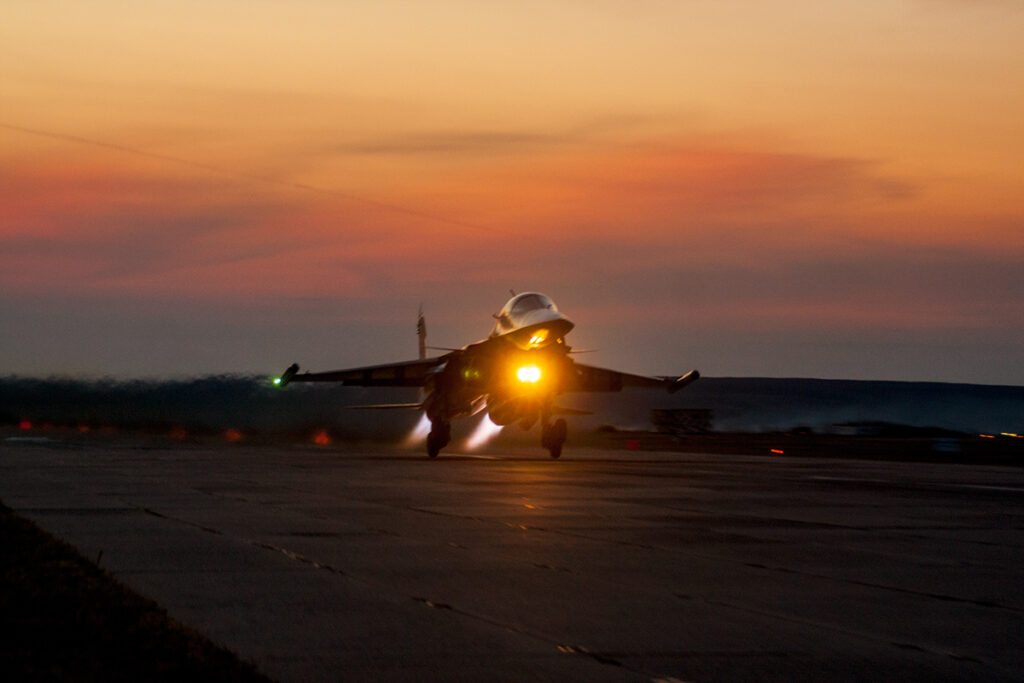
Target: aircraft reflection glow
point(484, 432)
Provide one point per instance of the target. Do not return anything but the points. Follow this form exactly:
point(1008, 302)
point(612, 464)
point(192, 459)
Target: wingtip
point(680, 382)
point(287, 375)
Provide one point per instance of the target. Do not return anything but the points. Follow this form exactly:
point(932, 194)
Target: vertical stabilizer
point(421, 333)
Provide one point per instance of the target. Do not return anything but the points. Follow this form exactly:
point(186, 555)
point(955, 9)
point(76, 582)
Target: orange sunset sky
point(750, 188)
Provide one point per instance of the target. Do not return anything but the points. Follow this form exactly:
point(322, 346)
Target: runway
point(326, 564)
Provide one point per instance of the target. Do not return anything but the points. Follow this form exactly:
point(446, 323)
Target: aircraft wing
point(411, 373)
point(589, 378)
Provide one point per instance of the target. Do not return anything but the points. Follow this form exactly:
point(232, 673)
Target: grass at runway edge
point(62, 618)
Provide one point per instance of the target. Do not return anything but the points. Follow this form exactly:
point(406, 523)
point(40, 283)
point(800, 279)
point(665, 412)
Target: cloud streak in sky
point(621, 211)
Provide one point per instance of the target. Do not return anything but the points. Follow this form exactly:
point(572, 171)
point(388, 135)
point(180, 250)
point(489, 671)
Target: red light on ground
point(633, 444)
point(24, 424)
point(178, 433)
point(233, 435)
point(84, 429)
point(321, 438)
point(778, 451)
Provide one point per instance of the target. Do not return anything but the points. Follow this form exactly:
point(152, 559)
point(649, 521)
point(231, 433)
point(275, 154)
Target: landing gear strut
point(552, 436)
point(439, 436)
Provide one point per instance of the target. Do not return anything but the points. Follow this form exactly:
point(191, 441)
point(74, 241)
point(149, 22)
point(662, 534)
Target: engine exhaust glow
point(528, 374)
point(419, 433)
point(484, 432)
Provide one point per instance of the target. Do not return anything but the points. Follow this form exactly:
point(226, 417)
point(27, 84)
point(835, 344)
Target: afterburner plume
point(484, 432)
point(419, 432)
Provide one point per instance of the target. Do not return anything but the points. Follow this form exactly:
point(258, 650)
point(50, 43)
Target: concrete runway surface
point(362, 565)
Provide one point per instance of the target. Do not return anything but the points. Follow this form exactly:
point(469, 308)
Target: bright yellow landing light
point(528, 373)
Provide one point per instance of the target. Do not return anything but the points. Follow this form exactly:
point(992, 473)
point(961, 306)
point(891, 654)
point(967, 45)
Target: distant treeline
point(200, 405)
point(254, 406)
point(749, 404)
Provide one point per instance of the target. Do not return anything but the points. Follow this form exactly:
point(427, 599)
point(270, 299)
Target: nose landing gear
point(552, 436)
point(439, 436)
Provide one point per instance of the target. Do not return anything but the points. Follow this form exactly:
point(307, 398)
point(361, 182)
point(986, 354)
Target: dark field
point(63, 619)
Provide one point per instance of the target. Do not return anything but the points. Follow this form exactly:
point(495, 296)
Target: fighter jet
point(515, 375)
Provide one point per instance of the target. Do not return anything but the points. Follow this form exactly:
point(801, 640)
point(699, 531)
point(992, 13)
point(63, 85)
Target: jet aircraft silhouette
point(515, 375)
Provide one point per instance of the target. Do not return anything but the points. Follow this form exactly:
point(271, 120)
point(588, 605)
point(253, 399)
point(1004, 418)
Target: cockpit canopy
point(534, 313)
point(526, 302)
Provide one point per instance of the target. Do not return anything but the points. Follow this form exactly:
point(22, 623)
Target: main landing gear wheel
point(552, 437)
point(439, 436)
